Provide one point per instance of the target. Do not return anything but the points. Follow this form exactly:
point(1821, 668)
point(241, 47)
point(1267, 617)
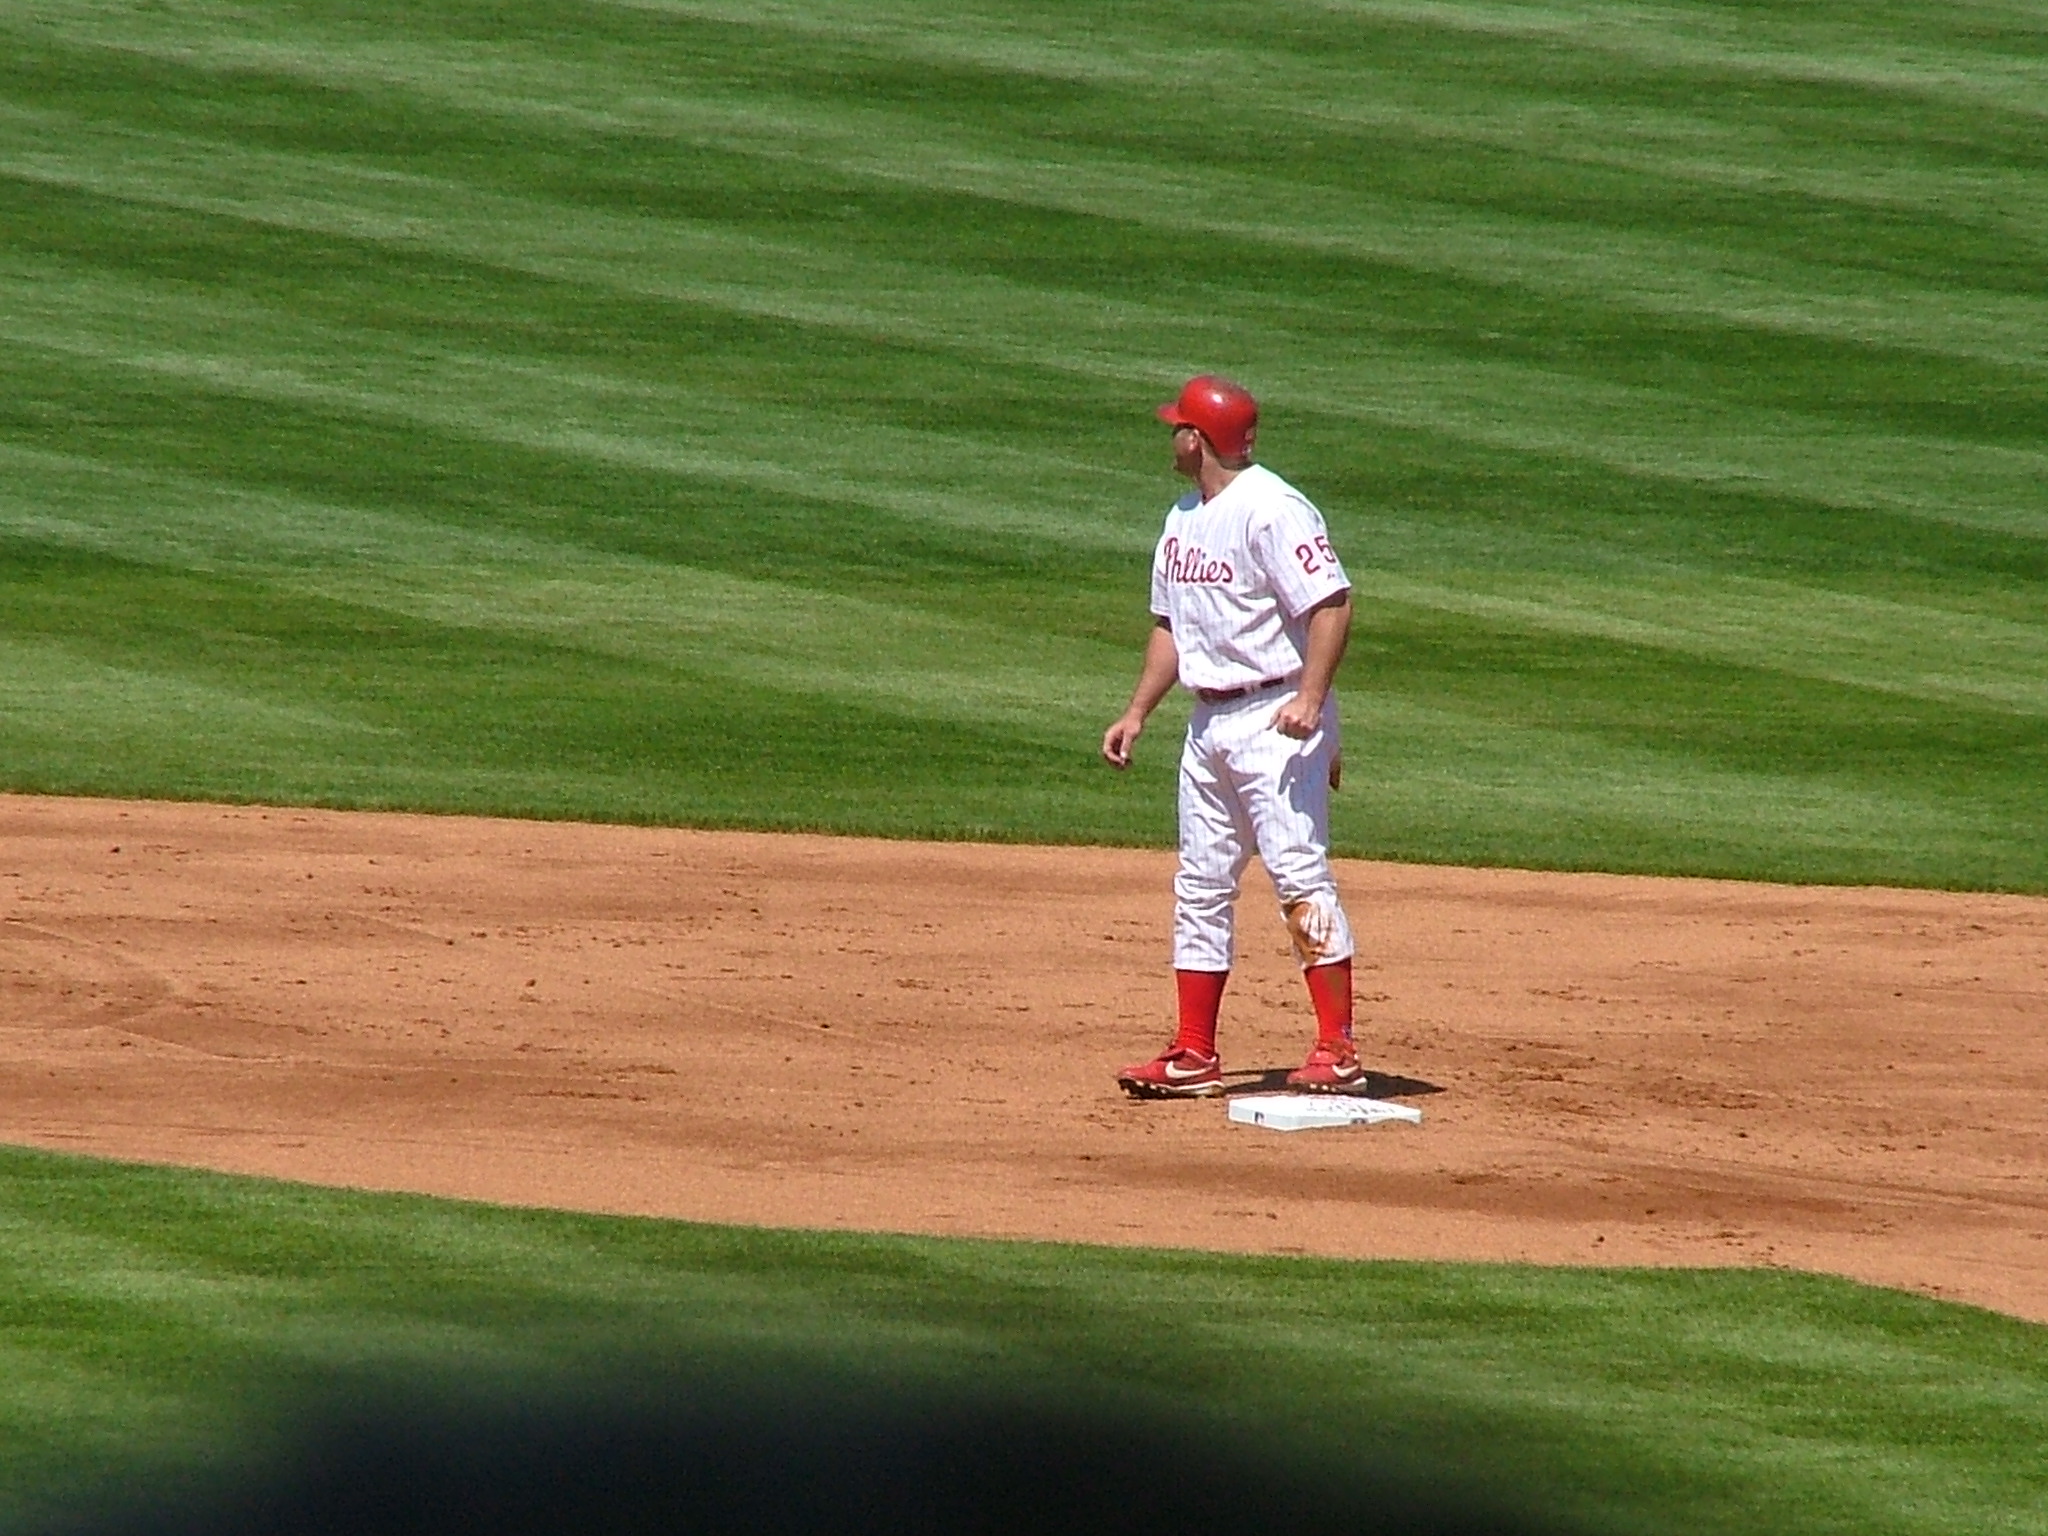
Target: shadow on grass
point(689, 1451)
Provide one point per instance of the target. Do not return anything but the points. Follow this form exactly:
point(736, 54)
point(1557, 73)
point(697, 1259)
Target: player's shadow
point(1377, 1085)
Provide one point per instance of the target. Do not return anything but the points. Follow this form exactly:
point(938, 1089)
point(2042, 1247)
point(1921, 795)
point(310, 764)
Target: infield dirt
point(834, 1032)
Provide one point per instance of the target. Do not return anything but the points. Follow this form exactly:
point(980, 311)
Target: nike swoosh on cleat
point(1174, 1072)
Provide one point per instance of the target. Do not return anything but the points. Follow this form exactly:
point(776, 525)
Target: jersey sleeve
point(1293, 547)
point(1160, 610)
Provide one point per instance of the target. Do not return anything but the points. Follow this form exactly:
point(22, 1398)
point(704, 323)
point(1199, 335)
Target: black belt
point(1225, 695)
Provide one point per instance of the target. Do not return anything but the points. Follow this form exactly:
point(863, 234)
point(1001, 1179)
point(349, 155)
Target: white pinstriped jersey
point(1236, 577)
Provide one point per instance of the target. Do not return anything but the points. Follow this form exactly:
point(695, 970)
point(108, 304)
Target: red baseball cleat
point(1329, 1069)
point(1179, 1073)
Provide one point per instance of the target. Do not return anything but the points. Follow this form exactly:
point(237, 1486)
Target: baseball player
point(1252, 615)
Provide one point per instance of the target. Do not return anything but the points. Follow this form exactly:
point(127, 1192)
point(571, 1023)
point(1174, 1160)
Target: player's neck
point(1215, 476)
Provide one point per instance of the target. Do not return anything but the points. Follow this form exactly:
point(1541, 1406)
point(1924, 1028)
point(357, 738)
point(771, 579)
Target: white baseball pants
point(1244, 787)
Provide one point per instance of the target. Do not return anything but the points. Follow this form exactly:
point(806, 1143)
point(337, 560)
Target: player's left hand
point(1299, 717)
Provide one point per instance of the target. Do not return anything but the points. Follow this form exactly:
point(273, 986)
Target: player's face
point(1187, 452)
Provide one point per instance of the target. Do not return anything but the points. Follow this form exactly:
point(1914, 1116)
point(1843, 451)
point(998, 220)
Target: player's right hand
point(1118, 740)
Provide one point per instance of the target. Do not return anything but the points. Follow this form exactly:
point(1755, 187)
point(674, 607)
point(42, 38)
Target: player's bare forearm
point(1158, 674)
point(1156, 677)
point(1329, 632)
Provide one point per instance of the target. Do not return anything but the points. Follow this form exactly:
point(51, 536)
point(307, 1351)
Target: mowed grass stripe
point(369, 105)
point(631, 605)
point(808, 350)
point(1908, 386)
point(1511, 260)
point(1441, 716)
point(1952, 438)
point(757, 405)
point(791, 83)
point(630, 167)
point(752, 631)
point(2006, 654)
point(1646, 89)
point(494, 599)
point(363, 708)
point(1922, 650)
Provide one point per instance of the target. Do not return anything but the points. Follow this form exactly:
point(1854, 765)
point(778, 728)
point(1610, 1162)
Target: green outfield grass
point(149, 1319)
point(740, 414)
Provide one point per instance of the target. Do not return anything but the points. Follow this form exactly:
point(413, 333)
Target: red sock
point(1201, 998)
point(1329, 988)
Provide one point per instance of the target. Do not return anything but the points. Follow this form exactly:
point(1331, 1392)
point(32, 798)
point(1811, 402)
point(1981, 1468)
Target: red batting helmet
point(1221, 411)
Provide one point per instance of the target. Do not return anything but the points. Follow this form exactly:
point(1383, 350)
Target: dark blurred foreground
point(711, 1454)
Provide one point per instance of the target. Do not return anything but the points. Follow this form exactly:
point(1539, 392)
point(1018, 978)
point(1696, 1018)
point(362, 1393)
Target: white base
point(1308, 1111)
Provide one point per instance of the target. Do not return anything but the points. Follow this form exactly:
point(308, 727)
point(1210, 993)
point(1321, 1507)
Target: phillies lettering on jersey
point(1194, 565)
point(1237, 576)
